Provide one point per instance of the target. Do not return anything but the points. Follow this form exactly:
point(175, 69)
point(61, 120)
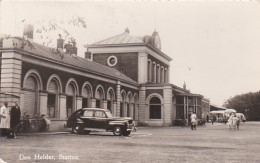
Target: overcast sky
point(215, 46)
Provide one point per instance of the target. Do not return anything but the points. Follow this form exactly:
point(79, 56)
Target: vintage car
point(87, 119)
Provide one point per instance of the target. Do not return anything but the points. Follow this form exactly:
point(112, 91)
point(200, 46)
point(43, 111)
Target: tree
point(47, 31)
point(248, 104)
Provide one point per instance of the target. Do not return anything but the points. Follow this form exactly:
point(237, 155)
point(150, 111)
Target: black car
point(87, 119)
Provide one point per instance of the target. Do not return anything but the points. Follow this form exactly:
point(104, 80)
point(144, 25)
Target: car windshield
point(109, 115)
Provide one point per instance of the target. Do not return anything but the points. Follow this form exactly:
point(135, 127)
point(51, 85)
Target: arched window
point(86, 95)
point(149, 68)
point(155, 108)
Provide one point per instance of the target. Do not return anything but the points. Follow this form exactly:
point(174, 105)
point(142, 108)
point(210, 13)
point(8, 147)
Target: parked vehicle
point(87, 119)
point(219, 115)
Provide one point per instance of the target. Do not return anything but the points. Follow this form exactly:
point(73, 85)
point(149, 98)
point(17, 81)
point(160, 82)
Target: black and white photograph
point(129, 81)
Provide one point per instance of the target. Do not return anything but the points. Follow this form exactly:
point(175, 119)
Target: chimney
point(71, 48)
point(60, 42)
point(88, 55)
point(68, 48)
point(184, 86)
point(28, 31)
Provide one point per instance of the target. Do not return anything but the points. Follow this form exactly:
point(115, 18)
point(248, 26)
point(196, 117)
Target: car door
point(100, 119)
point(88, 118)
point(73, 118)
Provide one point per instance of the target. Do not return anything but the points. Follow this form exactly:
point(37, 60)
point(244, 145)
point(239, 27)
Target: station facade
point(127, 75)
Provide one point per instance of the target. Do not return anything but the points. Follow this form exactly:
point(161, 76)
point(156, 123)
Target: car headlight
point(79, 120)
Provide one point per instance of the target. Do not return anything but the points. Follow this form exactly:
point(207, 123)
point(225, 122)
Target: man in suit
point(15, 118)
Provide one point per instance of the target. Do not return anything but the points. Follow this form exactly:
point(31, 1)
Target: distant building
point(125, 74)
point(216, 108)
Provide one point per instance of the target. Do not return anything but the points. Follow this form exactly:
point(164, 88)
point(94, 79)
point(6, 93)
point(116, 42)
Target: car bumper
point(131, 128)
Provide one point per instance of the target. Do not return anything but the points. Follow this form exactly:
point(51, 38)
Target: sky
point(214, 45)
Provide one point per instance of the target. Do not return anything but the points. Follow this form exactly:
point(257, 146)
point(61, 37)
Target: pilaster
point(118, 98)
point(167, 95)
point(142, 67)
point(63, 110)
point(142, 104)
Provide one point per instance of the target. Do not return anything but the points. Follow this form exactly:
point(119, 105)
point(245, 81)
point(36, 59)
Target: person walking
point(5, 118)
point(214, 118)
point(193, 121)
point(15, 118)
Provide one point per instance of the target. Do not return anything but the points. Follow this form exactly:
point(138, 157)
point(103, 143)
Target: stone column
point(114, 108)
point(131, 110)
point(43, 102)
point(167, 96)
point(173, 107)
point(104, 104)
point(118, 98)
point(142, 105)
point(93, 102)
point(79, 102)
point(63, 109)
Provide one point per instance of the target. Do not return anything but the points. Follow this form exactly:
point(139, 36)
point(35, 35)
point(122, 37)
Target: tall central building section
point(141, 59)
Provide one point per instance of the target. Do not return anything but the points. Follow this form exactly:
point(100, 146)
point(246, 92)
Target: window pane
point(155, 100)
point(99, 114)
point(155, 111)
point(88, 113)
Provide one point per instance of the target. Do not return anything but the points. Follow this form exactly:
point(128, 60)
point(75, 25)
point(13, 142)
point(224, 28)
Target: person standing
point(214, 118)
point(15, 118)
point(5, 117)
point(193, 121)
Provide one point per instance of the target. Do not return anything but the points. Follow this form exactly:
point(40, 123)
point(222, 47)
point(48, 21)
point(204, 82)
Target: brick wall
point(126, 63)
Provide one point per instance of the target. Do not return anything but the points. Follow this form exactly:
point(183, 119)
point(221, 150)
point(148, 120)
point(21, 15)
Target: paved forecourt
point(210, 143)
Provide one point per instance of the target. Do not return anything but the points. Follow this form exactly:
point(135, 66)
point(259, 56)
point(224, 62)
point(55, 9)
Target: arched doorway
point(71, 98)
point(99, 95)
point(110, 100)
point(122, 103)
point(54, 90)
point(86, 96)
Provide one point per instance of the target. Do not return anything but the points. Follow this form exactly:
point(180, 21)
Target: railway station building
point(125, 74)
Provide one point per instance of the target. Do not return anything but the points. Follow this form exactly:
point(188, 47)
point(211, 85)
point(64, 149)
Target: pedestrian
point(193, 121)
point(244, 118)
point(15, 118)
point(5, 118)
point(232, 121)
point(214, 118)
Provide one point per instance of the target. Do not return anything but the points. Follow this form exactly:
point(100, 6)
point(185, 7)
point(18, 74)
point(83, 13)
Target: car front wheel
point(77, 129)
point(126, 133)
point(117, 131)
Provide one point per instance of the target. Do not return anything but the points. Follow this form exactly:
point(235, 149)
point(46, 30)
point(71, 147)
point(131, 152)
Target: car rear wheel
point(77, 129)
point(117, 131)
